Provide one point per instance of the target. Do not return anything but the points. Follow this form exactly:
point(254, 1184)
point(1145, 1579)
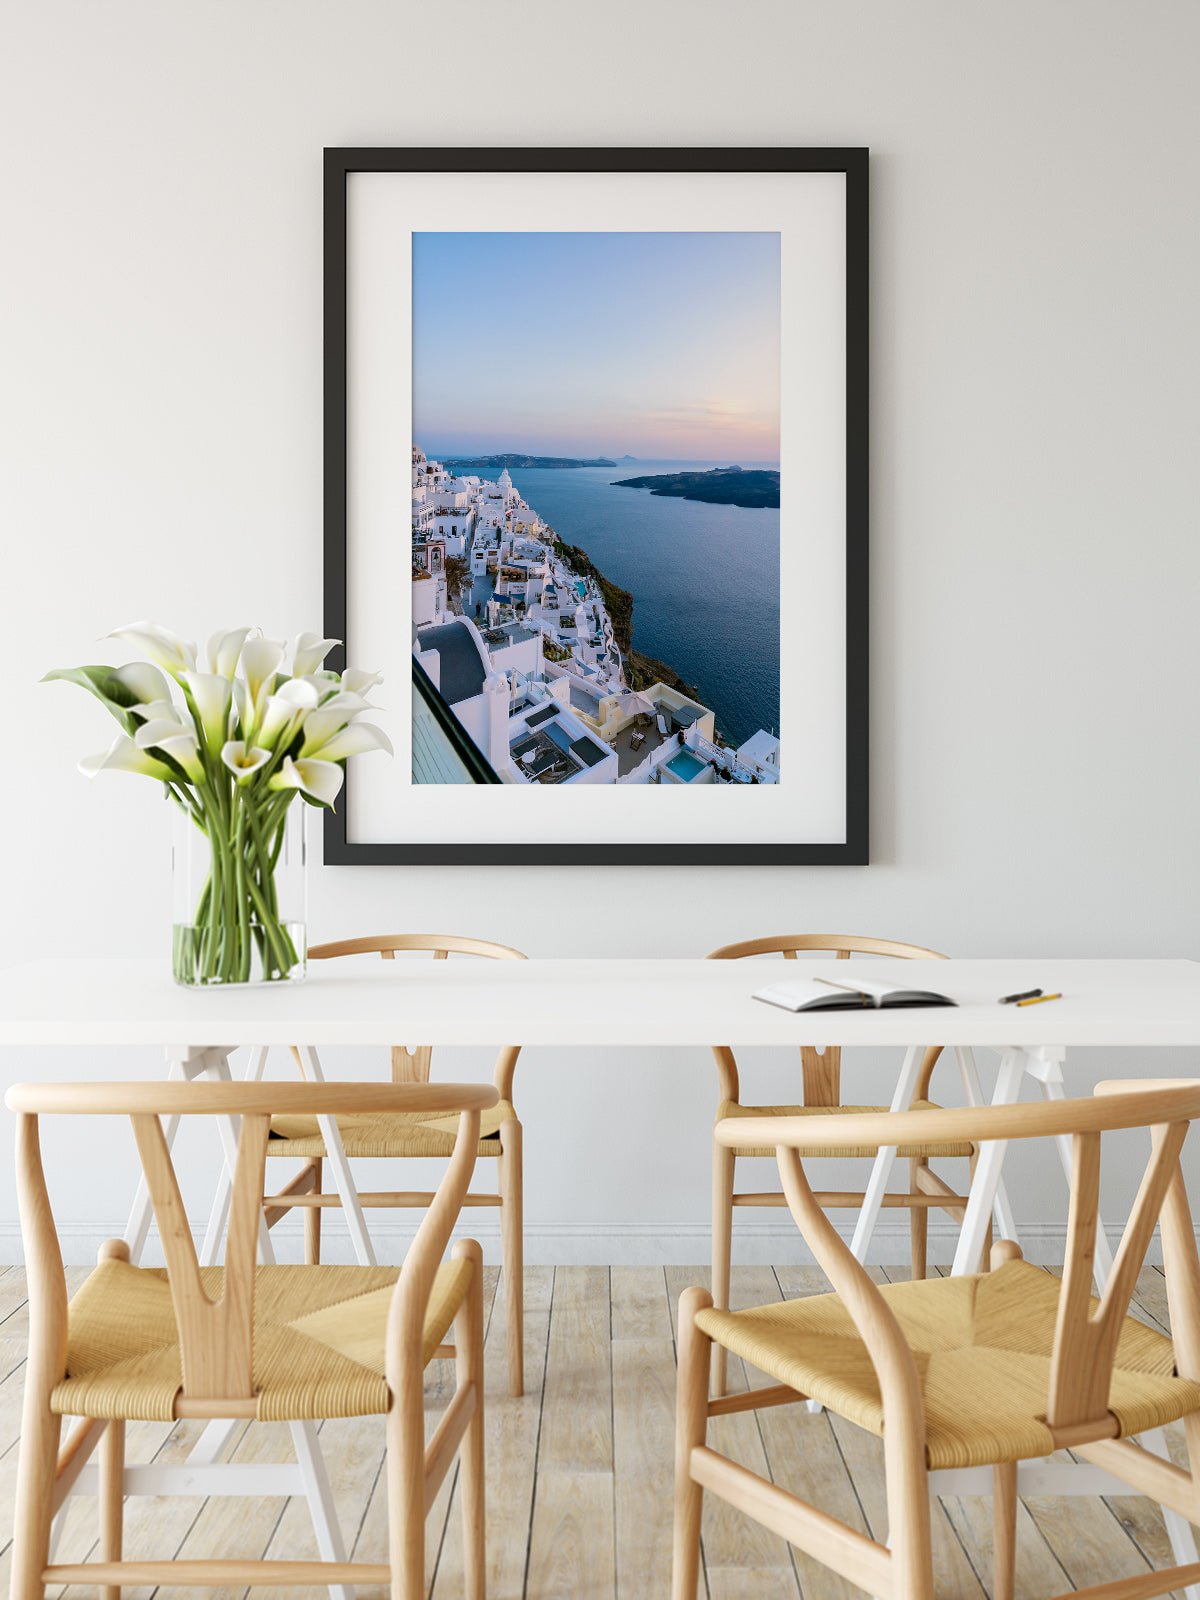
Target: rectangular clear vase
point(240, 893)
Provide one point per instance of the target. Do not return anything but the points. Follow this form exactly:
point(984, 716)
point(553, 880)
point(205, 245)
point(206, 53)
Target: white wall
point(1035, 346)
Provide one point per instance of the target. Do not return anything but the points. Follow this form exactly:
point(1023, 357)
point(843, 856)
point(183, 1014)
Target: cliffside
point(642, 671)
point(618, 601)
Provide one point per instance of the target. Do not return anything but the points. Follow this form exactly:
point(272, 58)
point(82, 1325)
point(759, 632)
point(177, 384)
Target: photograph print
point(624, 453)
point(595, 502)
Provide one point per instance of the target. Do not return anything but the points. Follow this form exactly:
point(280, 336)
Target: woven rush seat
point(318, 1340)
point(732, 1108)
point(982, 1346)
point(406, 1133)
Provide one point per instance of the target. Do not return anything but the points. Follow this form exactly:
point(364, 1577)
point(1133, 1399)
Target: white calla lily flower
point(357, 681)
point(183, 749)
point(355, 740)
point(308, 652)
point(179, 742)
point(123, 755)
point(284, 711)
point(279, 720)
point(324, 684)
point(165, 649)
point(159, 710)
point(211, 694)
point(243, 760)
point(301, 692)
point(222, 651)
point(246, 716)
point(261, 660)
point(160, 728)
point(320, 726)
point(349, 705)
point(321, 779)
point(143, 680)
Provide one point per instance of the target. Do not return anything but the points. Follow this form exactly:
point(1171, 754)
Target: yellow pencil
point(1037, 999)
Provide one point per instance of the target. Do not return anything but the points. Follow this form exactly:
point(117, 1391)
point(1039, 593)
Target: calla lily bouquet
point(241, 741)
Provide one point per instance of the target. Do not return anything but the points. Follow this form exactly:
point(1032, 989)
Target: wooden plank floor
point(579, 1470)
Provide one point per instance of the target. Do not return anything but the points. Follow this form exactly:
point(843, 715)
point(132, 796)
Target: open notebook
point(840, 994)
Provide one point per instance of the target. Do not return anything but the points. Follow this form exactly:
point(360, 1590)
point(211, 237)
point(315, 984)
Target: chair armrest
point(1164, 1100)
point(268, 1097)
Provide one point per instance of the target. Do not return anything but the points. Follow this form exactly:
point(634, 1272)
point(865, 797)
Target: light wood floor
point(579, 1471)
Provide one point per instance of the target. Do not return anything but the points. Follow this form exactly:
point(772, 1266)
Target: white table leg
point(885, 1159)
point(987, 1170)
point(339, 1166)
point(1006, 1226)
point(319, 1493)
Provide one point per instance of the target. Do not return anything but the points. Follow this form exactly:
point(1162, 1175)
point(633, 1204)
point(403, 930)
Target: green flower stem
point(274, 932)
point(237, 909)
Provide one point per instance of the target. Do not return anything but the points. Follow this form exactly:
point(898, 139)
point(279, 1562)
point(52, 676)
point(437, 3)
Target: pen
point(1025, 994)
point(1036, 1000)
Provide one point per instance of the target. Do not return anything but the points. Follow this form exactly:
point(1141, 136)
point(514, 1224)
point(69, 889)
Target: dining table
point(621, 1002)
point(618, 1002)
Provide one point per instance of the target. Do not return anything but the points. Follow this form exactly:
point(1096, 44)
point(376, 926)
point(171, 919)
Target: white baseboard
point(568, 1244)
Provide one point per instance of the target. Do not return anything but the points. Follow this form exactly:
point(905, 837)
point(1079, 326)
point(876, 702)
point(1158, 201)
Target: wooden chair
point(415, 1134)
point(957, 1373)
point(822, 1095)
point(243, 1341)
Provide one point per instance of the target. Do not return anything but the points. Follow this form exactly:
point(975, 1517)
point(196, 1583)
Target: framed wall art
point(596, 502)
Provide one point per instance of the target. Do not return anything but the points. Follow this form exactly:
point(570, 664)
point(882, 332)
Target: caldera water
point(704, 578)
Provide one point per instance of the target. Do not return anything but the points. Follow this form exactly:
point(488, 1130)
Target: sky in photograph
point(659, 345)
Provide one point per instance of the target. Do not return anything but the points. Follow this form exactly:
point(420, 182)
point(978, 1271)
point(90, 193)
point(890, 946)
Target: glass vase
point(240, 898)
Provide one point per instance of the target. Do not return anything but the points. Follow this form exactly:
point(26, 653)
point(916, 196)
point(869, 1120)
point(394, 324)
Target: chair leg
point(405, 1425)
point(512, 1250)
point(918, 1220)
point(908, 1505)
point(468, 1344)
point(312, 1223)
point(722, 1249)
point(112, 1500)
point(37, 1462)
point(1004, 1530)
point(691, 1426)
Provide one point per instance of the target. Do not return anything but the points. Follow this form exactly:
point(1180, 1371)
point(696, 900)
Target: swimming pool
point(686, 766)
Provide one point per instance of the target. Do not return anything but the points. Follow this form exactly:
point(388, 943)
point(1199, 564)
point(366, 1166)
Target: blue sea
point(704, 578)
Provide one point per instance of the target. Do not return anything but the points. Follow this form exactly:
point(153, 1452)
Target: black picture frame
point(339, 166)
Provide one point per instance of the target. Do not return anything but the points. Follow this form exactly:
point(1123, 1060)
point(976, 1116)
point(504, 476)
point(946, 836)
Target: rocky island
point(504, 463)
point(722, 486)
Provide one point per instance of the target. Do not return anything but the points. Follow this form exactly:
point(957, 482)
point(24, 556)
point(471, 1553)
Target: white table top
point(594, 1002)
